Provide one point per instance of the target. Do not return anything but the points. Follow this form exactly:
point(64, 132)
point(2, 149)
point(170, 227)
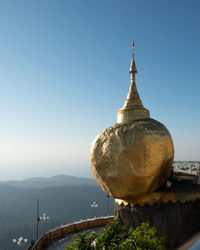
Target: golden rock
point(131, 159)
point(135, 156)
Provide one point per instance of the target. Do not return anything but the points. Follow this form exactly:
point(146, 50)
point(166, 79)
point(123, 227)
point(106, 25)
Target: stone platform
point(174, 211)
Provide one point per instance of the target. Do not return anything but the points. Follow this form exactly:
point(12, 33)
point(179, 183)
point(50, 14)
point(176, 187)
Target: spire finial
point(133, 108)
point(133, 47)
point(133, 69)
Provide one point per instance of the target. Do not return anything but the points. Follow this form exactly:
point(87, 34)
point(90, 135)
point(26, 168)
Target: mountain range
point(54, 181)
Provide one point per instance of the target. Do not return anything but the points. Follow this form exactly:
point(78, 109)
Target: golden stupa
point(135, 156)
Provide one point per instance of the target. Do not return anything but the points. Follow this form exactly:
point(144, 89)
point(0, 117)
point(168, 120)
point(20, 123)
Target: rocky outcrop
point(177, 222)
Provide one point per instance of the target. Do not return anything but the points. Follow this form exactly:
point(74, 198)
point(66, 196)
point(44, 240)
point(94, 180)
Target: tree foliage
point(115, 237)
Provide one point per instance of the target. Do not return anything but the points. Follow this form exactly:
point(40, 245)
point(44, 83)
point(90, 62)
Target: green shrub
point(115, 237)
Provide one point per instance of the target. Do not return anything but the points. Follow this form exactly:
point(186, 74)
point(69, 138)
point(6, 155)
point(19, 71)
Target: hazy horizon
point(47, 171)
point(69, 171)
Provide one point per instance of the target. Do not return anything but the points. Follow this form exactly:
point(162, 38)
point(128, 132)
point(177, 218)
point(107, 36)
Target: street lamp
point(94, 205)
point(44, 217)
point(20, 241)
point(38, 219)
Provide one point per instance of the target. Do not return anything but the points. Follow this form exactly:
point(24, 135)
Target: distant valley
point(63, 198)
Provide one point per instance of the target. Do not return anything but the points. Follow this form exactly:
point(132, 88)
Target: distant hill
point(55, 181)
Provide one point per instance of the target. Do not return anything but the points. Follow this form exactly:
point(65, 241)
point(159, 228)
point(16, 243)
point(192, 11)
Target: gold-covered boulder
point(132, 159)
point(134, 156)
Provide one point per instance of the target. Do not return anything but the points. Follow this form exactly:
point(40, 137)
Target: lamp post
point(94, 205)
point(38, 219)
point(44, 217)
point(20, 241)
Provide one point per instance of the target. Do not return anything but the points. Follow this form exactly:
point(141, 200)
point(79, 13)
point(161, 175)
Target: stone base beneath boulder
point(177, 222)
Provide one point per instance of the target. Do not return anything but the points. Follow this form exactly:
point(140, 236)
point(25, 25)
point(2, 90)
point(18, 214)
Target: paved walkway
point(60, 244)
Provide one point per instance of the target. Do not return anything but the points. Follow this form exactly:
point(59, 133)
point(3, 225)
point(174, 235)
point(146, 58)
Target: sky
point(64, 74)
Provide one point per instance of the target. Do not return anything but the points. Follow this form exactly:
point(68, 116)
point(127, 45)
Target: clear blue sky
point(64, 74)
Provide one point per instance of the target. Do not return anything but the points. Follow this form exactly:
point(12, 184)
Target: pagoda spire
point(133, 69)
point(133, 108)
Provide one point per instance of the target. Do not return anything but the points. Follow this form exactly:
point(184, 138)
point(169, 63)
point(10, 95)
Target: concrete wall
point(60, 232)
